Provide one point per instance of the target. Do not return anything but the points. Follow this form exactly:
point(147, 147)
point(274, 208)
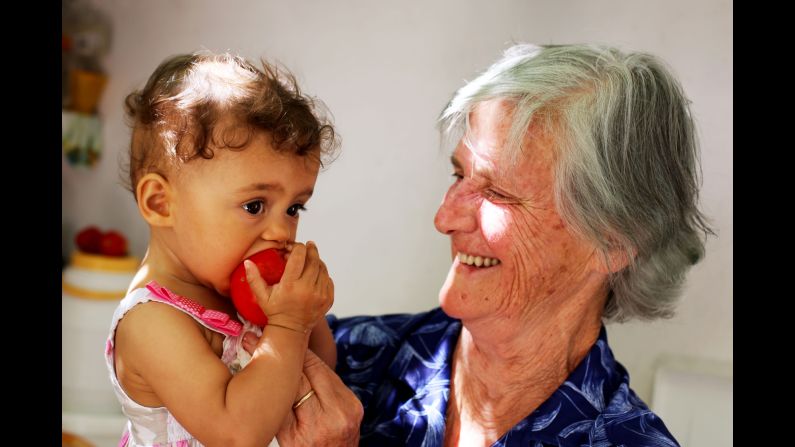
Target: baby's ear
point(154, 196)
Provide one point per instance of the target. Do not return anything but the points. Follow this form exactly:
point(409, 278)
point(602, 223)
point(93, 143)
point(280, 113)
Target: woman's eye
point(457, 176)
point(295, 209)
point(494, 196)
point(254, 207)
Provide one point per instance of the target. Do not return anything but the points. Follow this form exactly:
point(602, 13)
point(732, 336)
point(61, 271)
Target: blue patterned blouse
point(399, 367)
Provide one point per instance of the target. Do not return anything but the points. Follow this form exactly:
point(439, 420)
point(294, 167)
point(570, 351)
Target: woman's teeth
point(477, 261)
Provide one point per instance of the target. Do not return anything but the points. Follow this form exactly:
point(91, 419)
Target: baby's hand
point(304, 294)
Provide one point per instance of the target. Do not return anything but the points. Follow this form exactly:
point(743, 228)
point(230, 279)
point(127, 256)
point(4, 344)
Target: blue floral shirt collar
point(407, 404)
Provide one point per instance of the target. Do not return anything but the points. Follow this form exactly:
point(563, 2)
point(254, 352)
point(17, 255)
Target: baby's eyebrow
point(262, 187)
point(273, 187)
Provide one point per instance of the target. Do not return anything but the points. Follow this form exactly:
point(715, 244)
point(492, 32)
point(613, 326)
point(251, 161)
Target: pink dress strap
point(217, 320)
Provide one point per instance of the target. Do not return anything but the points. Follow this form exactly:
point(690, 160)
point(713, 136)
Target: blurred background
point(385, 71)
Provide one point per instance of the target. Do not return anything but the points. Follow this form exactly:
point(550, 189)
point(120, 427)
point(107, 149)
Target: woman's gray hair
point(627, 173)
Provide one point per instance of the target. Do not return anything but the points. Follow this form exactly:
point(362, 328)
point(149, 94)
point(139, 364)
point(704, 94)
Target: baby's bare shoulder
point(153, 319)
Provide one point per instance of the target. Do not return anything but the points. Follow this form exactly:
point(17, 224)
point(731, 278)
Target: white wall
point(386, 69)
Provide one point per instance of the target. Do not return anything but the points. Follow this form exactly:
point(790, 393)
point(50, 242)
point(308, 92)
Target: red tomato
point(89, 240)
point(113, 244)
point(270, 264)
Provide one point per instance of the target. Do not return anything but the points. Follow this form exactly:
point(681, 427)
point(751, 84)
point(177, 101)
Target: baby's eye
point(294, 210)
point(254, 207)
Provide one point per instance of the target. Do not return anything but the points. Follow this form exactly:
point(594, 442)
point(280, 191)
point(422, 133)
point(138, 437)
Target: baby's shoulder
point(162, 337)
point(154, 318)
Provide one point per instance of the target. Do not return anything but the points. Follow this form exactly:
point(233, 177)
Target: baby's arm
point(179, 369)
point(321, 342)
point(167, 350)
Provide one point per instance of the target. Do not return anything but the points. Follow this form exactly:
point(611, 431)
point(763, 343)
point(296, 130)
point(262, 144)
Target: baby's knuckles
point(303, 302)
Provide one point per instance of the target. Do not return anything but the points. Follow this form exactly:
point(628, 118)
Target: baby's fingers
point(312, 267)
point(295, 262)
point(258, 285)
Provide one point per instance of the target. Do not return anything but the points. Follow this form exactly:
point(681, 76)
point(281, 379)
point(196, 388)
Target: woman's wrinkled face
point(511, 250)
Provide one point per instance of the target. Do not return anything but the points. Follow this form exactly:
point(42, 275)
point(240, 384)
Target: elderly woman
point(574, 202)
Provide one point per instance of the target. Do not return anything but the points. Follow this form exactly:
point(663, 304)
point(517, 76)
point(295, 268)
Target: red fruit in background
point(113, 244)
point(89, 240)
point(270, 264)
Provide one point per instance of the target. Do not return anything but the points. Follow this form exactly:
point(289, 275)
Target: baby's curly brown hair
point(175, 116)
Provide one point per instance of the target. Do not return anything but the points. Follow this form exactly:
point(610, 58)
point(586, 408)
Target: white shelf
point(100, 429)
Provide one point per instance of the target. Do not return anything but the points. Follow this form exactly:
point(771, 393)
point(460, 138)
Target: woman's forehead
point(483, 152)
point(489, 124)
point(485, 145)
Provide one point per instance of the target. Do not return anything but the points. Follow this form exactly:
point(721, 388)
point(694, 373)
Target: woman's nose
point(457, 211)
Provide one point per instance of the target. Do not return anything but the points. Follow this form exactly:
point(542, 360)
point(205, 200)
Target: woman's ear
point(613, 260)
point(155, 199)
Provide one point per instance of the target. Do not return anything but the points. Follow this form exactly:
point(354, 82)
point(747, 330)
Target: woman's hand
point(329, 417)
